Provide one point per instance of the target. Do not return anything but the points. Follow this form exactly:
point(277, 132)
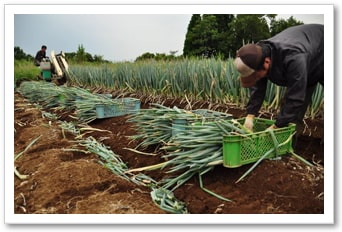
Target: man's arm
point(296, 73)
point(257, 97)
point(37, 55)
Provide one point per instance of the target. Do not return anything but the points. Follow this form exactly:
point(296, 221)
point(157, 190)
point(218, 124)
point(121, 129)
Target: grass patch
point(25, 70)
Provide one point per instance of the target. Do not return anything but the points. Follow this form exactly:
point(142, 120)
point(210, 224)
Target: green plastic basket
point(244, 149)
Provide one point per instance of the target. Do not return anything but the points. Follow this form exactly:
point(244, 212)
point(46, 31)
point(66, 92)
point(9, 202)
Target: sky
point(116, 37)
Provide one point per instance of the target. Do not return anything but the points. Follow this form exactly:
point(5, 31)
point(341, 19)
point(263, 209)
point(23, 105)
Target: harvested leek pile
point(197, 149)
point(51, 96)
point(153, 125)
point(159, 124)
point(194, 148)
point(65, 98)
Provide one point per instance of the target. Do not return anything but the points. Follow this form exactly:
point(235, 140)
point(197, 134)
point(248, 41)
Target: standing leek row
point(199, 79)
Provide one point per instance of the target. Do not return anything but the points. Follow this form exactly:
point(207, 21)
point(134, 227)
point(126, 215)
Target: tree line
point(208, 35)
point(221, 35)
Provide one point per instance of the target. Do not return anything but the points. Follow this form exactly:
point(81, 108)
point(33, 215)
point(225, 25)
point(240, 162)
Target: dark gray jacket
point(297, 62)
point(39, 57)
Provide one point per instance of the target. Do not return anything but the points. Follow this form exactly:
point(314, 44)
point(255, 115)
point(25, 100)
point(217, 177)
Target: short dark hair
point(44, 47)
point(266, 52)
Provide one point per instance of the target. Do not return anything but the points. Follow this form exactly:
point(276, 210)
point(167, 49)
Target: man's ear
point(267, 63)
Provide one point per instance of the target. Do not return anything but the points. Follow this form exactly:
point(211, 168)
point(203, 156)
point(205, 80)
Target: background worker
point(294, 58)
point(41, 54)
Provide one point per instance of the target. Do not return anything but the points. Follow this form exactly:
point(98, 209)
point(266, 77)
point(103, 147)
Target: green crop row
point(211, 80)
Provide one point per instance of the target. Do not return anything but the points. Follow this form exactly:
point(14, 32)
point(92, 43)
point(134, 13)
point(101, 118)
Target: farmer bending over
point(294, 58)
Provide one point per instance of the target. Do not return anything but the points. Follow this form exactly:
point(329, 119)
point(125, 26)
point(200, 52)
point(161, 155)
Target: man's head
point(44, 47)
point(252, 64)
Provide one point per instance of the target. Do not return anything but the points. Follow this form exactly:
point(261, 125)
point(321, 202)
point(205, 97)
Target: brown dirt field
point(69, 182)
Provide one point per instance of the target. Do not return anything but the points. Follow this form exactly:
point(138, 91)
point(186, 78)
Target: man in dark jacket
point(40, 55)
point(294, 58)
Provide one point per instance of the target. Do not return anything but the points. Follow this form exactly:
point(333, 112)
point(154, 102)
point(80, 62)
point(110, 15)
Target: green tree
point(70, 56)
point(145, 56)
point(202, 38)
point(247, 28)
point(98, 59)
point(223, 34)
point(19, 54)
point(210, 35)
point(223, 45)
point(191, 36)
point(157, 56)
point(277, 26)
point(80, 54)
point(89, 57)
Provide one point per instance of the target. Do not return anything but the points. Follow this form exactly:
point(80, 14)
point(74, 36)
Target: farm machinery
point(54, 68)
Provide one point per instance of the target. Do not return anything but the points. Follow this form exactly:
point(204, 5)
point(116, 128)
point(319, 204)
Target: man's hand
point(249, 122)
point(272, 127)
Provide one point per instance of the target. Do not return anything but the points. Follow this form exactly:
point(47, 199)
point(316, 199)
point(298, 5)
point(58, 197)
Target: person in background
point(294, 58)
point(41, 54)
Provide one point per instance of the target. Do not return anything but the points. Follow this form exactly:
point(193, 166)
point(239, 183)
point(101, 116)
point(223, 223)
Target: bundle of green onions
point(112, 161)
point(198, 148)
point(65, 98)
point(195, 149)
point(153, 125)
point(166, 200)
point(40, 92)
point(159, 124)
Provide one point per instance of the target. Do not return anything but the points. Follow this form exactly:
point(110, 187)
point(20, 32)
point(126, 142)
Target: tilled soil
point(61, 181)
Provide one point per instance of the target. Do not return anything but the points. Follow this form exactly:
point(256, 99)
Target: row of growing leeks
point(213, 80)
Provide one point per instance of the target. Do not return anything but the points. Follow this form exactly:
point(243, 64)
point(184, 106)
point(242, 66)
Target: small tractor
point(55, 68)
